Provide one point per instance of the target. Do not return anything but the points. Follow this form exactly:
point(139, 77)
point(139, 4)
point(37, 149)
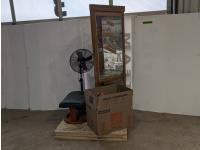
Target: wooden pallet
point(83, 132)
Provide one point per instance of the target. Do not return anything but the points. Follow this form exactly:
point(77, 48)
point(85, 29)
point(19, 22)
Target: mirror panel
point(107, 24)
point(109, 33)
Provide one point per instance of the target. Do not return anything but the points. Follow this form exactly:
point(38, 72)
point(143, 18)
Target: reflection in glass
point(109, 34)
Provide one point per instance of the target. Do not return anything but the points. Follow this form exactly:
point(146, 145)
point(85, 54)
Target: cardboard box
point(109, 108)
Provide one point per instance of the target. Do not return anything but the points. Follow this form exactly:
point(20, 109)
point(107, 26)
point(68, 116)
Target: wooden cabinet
point(107, 25)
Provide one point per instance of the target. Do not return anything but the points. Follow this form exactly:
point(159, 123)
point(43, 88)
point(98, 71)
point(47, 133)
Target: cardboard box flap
point(97, 97)
point(114, 99)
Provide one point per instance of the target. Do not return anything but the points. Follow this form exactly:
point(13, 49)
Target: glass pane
point(76, 8)
point(5, 11)
point(109, 33)
point(141, 5)
point(34, 9)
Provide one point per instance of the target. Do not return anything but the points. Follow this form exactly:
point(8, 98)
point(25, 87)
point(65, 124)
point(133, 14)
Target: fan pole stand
point(81, 81)
point(81, 75)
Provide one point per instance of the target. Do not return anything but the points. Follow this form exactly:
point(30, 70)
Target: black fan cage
point(81, 66)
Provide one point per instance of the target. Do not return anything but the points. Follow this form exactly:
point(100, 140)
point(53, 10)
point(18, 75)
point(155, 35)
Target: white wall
point(35, 62)
point(36, 73)
point(14, 73)
point(167, 64)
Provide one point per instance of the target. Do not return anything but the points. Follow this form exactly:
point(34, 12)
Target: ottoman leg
point(74, 116)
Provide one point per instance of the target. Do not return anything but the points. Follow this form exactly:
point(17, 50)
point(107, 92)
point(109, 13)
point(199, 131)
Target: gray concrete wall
point(14, 68)
point(35, 62)
point(167, 64)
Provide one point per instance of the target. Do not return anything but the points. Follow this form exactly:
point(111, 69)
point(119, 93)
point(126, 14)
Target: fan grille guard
point(83, 58)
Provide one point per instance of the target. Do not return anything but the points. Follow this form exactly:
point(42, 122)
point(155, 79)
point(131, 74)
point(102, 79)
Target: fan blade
point(88, 58)
point(81, 60)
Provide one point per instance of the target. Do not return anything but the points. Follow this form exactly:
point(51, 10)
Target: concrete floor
point(25, 130)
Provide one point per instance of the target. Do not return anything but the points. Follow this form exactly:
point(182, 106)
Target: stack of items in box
point(109, 114)
point(108, 108)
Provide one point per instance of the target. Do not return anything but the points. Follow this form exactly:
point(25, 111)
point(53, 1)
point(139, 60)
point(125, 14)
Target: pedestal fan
point(81, 62)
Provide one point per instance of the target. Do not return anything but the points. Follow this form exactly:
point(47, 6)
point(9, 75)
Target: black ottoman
point(75, 101)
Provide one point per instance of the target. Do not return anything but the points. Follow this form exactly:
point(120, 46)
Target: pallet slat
point(83, 132)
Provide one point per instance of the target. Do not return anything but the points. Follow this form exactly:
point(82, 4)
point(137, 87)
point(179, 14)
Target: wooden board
point(83, 132)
